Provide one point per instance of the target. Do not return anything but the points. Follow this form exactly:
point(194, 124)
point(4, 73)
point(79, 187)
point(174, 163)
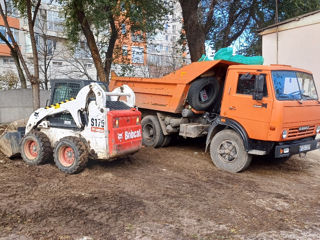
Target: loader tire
point(71, 155)
point(36, 148)
point(152, 135)
point(203, 93)
point(228, 152)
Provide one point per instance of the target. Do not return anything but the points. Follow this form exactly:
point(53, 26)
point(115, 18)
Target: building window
point(58, 64)
point(173, 38)
point(82, 51)
point(54, 21)
point(51, 46)
point(8, 61)
point(122, 7)
point(4, 32)
point(123, 28)
point(11, 10)
point(166, 27)
point(137, 55)
point(173, 29)
point(51, 2)
point(124, 50)
point(137, 36)
point(88, 65)
point(28, 48)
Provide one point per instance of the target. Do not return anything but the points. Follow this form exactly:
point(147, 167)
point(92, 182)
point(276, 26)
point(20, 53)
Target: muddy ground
point(170, 193)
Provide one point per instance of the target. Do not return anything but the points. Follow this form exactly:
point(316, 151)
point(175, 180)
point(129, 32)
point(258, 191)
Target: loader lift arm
point(78, 105)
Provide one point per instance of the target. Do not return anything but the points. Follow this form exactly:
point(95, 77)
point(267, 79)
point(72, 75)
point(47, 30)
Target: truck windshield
point(292, 85)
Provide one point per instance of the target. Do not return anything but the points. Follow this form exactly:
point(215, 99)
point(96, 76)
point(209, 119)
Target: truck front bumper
point(296, 147)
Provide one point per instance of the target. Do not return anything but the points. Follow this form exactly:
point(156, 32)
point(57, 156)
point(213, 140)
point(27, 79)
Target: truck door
point(253, 115)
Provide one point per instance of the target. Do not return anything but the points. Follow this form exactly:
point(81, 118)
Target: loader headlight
point(284, 134)
point(318, 130)
point(138, 120)
point(116, 123)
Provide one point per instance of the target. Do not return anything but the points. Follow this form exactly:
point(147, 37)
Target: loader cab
point(65, 89)
point(267, 101)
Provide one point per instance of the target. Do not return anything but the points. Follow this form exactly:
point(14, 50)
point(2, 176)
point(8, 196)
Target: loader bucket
point(10, 143)
point(11, 137)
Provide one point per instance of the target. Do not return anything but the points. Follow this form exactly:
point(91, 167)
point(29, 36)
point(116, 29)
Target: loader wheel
point(152, 135)
point(36, 148)
point(228, 152)
point(71, 155)
point(202, 93)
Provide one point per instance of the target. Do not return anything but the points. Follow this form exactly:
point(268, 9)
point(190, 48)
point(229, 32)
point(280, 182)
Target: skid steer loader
point(95, 124)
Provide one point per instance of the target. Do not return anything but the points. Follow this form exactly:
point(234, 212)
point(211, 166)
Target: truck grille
point(296, 132)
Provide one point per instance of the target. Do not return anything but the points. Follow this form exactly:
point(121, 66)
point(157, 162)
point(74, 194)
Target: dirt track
point(171, 193)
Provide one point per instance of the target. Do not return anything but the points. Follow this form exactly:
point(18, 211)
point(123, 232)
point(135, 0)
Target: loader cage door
point(64, 91)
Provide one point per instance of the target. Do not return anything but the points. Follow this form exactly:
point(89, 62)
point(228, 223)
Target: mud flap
point(10, 143)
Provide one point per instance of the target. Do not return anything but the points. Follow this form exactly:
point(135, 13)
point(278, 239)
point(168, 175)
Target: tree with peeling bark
point(220, 22)
point(29, 9)
point(84, 17)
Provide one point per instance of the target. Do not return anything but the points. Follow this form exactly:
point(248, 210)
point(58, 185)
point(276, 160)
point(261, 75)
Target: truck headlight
point(318, 130)
point(284, 134)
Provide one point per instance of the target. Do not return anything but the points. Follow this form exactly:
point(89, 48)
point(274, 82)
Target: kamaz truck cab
point(275, 110)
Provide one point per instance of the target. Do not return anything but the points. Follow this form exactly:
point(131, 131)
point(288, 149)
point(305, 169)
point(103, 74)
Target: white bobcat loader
point(95, 125)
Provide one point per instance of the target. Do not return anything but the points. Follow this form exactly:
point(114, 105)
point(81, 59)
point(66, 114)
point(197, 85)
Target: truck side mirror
point(258, 87)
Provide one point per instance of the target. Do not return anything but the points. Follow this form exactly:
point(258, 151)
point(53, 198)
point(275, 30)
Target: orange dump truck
point(243, 110)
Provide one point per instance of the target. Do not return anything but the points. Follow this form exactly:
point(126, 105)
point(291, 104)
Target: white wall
point(17, 104)
point(299, 47)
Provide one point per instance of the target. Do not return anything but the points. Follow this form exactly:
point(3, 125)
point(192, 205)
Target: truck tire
point(70, 155)
point(228, 152)
point(203, 93)
point(36, 148)
point(166, 141)
point(152, 135)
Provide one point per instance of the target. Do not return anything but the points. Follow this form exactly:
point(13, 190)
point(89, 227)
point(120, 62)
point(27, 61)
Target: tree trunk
point(35, 78)
point(85, 26)
point(195, 32)
point(109, 53)
point(35, 94)
point(22, 78)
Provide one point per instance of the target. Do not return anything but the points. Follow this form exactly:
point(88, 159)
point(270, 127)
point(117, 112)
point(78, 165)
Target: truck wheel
point(203, 93)
point(36, 148)
point(152, 135)
point(166, 141)
point(70, 155)
point(228, 153)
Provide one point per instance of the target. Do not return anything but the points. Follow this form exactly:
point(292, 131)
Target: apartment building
point(6, 62)
point(56, 60)
point(165, 51)
point(135, 54)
